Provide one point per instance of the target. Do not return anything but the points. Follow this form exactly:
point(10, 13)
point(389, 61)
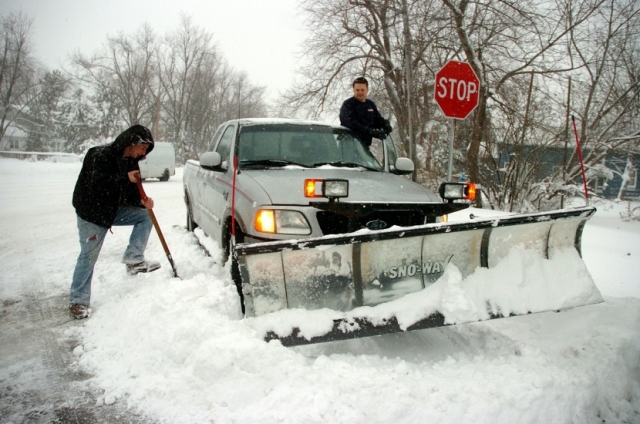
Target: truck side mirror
point(403, 166)
point(210, 160)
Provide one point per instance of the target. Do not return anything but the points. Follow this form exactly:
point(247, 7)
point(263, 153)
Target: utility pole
point(566, 140)
point(409, 77)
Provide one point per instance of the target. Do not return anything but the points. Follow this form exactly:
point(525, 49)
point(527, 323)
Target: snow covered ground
point(163, 349)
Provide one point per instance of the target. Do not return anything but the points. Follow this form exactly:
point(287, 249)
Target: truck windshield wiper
point(341, 163)
point(270, 162)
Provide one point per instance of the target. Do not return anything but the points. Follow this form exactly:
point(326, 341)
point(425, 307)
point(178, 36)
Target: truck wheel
point(165, 175)
point(235, 276)
point(226, 239)
point(228, 254)
point(191, 224)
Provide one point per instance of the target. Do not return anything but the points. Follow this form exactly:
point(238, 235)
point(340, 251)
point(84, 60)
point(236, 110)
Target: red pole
point(584, 177)
point(233, 199)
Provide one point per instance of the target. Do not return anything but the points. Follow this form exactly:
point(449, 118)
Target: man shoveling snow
point(106, 195)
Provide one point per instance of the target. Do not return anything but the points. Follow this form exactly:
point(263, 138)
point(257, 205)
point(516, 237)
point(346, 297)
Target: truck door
point(216, 197)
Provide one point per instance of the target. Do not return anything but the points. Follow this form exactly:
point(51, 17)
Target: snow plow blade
point(370, 283)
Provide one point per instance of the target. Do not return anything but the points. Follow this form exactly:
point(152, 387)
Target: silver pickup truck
point(297, 179)
point(322, 222)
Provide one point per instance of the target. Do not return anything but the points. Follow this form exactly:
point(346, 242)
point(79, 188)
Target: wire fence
point(50, 156)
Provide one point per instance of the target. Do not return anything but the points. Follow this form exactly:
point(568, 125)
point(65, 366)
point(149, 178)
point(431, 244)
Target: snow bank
point(520, 284)
point(177, 350)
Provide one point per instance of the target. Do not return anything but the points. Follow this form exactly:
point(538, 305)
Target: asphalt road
point(39, 383)
point(38, 246)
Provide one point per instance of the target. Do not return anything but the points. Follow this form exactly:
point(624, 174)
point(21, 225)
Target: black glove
point(377, 133)
point(387, 127)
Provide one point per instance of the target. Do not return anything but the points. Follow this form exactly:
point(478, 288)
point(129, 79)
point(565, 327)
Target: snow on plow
point(377, 282)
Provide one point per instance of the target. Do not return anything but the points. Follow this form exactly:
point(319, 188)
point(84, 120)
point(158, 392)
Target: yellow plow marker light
point(470, 191)
point(312, 188)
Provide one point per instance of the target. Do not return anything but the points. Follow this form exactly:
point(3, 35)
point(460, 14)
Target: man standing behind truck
point(361, 115)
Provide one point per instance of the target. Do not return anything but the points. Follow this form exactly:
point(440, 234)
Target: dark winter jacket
point(361, 118)
point(103, 184)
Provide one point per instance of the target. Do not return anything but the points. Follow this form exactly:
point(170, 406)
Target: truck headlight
point(457, 191)
point(277, 221)
point(335, 188)
point(331, 189)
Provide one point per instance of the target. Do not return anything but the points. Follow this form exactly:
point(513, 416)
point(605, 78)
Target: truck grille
point(333, 223)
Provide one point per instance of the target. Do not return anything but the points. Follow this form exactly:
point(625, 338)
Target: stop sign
point(456, 90)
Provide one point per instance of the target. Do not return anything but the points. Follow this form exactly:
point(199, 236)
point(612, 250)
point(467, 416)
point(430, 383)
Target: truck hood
point(285, 185)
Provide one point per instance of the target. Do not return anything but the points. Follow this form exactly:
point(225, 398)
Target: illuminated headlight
point(326, 188)
point(276, 221)
point(454, 191)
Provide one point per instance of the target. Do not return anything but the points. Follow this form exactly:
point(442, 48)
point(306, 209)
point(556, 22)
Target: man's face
point(136, 150)
point(360, 91)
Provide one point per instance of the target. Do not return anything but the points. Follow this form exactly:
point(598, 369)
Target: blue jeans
point(91, 239)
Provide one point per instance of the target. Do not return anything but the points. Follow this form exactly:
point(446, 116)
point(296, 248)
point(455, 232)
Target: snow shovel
point(157, 227)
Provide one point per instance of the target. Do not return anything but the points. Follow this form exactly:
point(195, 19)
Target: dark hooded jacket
point(103, 184)
point(361, 118)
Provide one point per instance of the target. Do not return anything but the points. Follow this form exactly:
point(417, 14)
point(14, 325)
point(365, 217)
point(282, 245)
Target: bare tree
point(199, 90)
point(246, 100)
point(80, 120)
point(609, 82)
point(45, 101)
point(355, 37)
point(599, 86)
point(190, 71)
point(123, 70)
point(351, 38)
point(502, 41)
point(17, 68)
point(522, 52)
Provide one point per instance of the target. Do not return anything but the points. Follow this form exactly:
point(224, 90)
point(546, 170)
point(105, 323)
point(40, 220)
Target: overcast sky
point(261, 37)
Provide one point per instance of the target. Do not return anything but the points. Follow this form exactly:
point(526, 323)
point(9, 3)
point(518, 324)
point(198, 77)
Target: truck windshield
point(270, 145)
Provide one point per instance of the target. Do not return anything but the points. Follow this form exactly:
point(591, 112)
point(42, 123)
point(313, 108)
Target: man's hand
point(134, 176)
point(378, 133)
point(147, 202)
point(387, 127)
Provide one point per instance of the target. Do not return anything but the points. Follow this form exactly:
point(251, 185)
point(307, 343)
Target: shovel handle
point(157, 227)
point(141, 190)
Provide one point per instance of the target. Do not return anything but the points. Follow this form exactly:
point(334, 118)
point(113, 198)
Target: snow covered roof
point(249, 121)
point(13, 131)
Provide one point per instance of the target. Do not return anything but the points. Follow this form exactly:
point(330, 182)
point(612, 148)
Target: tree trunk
point(473, 149)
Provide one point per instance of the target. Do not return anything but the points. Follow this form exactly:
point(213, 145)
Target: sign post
point(456, 92)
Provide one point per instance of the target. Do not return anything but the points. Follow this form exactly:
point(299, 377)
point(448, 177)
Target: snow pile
point(178, 350)
point(520, 284)
point(174, 349)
